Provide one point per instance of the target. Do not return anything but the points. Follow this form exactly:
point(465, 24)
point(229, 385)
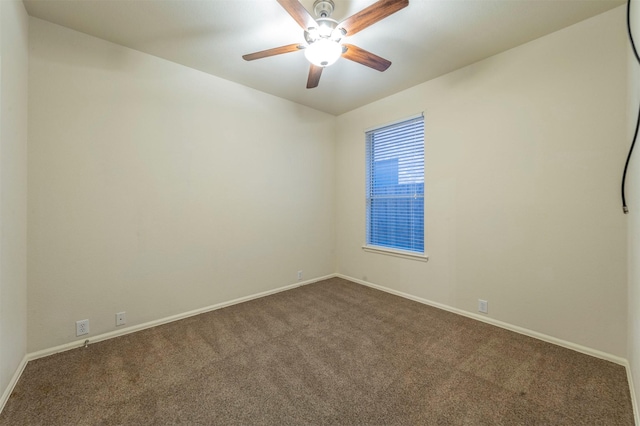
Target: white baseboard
point(540, 336)
point(507, 326)
point(632, 391)
point(13, 382)
point(521, 330)
point(154, 323)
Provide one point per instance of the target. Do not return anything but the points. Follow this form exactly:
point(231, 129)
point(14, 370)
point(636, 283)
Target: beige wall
point(523, 164)
point(13, 188)
point(633, 201)
point(156, 189)
point(149, 193)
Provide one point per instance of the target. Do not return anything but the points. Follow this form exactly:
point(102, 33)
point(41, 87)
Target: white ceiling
point(424, 40)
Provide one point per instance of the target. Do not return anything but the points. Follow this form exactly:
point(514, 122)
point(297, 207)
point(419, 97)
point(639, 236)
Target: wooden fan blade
point(372, 14)
point(298, 13)
point(361, 56)
point(272, 52)
point(314, 76)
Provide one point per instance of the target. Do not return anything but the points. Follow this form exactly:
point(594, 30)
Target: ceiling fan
point(324, 35)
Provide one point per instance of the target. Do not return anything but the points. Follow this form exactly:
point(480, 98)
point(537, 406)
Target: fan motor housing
point(326, 29)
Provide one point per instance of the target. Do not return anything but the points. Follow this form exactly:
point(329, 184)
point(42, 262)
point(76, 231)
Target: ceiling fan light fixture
point(324, 35)
point(326, 26)
point(323, 52)
point(312, 34)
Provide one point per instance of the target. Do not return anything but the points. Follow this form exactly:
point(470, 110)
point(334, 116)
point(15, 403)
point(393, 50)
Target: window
point(395, 186)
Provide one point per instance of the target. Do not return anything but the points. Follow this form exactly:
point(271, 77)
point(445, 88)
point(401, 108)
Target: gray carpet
point(333, 352)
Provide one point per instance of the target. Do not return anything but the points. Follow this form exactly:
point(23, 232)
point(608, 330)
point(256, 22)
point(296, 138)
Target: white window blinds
point(395, 186)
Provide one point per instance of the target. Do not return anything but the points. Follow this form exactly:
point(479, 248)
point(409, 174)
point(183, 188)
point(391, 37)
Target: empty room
point(348, 212)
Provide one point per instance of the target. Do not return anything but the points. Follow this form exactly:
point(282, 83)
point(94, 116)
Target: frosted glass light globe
point(323, 52)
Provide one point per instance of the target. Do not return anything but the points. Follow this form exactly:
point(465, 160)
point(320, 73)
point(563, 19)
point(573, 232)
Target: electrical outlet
point(299, 275)
point(483, 306)
point(82, 327)
point(121, 318)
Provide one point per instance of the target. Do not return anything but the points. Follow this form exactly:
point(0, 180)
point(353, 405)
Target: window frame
point(369, 197)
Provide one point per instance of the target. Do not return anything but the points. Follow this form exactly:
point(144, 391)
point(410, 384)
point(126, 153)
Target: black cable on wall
point(625, 209)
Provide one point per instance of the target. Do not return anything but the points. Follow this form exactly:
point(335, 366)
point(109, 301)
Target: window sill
point(397, 253)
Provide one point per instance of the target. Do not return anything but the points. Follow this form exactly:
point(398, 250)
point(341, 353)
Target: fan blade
point(272, 52)
point(314, 76)
point(372, 14)
point(298, 13)
point(361, 56)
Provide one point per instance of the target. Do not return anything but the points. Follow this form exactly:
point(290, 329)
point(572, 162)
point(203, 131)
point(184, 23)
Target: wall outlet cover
point(82, 327)
point(121, 318)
